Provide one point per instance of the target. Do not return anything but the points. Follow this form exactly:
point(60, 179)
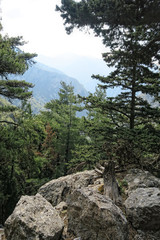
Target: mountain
point(47, 82)
point(79, 67)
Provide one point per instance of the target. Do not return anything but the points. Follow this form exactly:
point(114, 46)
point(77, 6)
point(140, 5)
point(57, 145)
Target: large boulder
point(143, 209)
point(57, 190)
point(93, 216)
point(33, 219)
point(143, 204)
point(137, 178)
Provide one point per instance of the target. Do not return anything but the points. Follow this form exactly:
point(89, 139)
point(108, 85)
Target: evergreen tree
point(134, 50)
point(18, 138)
point(64, 125)
point(102, 15)
point(131, 33)
point(19, 170)
point(95, 127)
point(14, 61)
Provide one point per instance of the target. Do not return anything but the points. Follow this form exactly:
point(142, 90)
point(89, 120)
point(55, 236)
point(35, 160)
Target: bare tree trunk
point(110, 184)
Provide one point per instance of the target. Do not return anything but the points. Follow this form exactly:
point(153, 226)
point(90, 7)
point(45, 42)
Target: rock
point(93, 216)
point(143, 204)
point(147, 236)
point(2, 235)
point(33, 219)
point(62, 211)
point(137, 178)
point(57, 190)
point(62, 206)
point(143, 209)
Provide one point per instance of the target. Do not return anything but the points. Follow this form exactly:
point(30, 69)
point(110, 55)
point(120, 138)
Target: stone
point(2, 235)
point(62, 211)
point(143, 209)
point(94, 216)
point(137, 178)
point(57, 190)
point(147, 235)
point(62, 206)
point(34, 219)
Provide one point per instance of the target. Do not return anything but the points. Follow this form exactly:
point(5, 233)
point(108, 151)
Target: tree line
point(37, 148)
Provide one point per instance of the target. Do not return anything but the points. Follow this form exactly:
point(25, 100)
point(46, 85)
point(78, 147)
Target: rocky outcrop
point(143, 204)
point(34, 218)
point(79, 202)
point(143, 208)
point(137, 178)
point(57, 190)
point(93, 216)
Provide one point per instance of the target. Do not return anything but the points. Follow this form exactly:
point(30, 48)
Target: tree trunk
point(110, 184)
point(132, 115)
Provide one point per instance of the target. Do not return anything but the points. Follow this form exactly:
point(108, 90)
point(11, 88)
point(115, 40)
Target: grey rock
point(147, 235)
point(137, 178)
point(57, 190)
point(2, 235)
point(93, 216)
point(62, 206)
point(143, 209)
point(33, 219)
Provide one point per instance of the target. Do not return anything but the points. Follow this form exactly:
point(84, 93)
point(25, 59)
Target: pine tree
point(131, 33)
point(14, 61)
point(19, 170)
point(133, 39)
point(102, 15)
point(64, 122)
point(18, 135)
point(95, 128)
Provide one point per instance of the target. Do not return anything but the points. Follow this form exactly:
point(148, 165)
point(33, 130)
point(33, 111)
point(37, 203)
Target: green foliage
point(14, 61)
point(135, 72)
point(130, 32)
point(17, 130)
point(62, 131)
point(15, 89)
point(84, 157)
point(122, 186)
point(99, 15)
point(18, 145)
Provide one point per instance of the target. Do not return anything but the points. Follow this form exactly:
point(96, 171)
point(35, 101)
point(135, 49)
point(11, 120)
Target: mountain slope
point(79, 67)
point(47, 82)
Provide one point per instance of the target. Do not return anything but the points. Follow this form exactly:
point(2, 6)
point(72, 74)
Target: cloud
point(42, 27)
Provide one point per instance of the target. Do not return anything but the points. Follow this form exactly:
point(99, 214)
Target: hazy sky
point(42, 28)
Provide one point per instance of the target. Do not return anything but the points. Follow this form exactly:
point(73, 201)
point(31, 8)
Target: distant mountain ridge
point(79, 67)
point(47, 82)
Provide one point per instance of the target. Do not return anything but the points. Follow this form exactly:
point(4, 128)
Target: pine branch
point(8, 122)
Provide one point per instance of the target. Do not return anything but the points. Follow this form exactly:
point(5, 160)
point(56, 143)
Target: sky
point(42, 27)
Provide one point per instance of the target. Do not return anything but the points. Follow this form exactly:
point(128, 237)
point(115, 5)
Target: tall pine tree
point(131, 32)
point(64, 122)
